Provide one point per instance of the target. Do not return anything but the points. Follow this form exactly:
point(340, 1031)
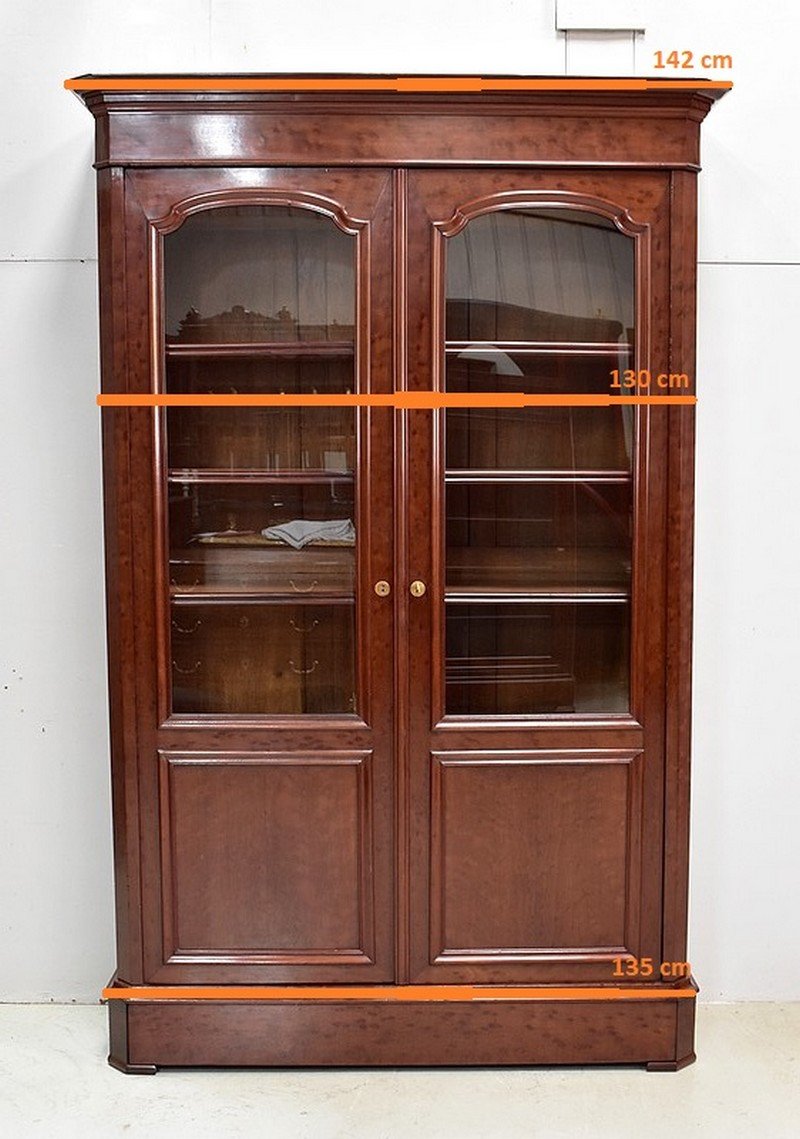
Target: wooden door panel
point(267, 859)
point(528, 866)
point(534, 855)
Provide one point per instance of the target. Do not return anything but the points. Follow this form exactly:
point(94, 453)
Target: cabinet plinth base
point(147, 1034)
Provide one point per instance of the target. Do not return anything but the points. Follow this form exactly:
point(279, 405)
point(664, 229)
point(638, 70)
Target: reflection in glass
point(536, 659)
point(539, 508)
point(244, 537)
point(567, 439)
point(318, 439)
point(521, 537)
point(271, 438)
point(259, 274)
point(245, 658)
point(528, 274)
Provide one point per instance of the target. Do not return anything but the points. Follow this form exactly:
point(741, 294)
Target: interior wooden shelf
point(508, 571)
point(540, 597)
point(499, 476)
point(290, 348)
point(205, 595)
point(256, 475)
point(262, 571)
point(538, 347)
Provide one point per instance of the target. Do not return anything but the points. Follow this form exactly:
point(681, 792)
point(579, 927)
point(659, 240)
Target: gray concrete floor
point(54, 1082)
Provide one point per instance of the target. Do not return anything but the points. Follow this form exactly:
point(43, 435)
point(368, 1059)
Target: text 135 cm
point(647, 967)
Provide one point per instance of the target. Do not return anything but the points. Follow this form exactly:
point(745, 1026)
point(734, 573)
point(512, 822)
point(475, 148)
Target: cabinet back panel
point(263, 658)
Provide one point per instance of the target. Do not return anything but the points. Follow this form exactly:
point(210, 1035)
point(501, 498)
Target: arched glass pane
point(540, 275)
point(538, 499)
point(259, 274)
point(262, 540)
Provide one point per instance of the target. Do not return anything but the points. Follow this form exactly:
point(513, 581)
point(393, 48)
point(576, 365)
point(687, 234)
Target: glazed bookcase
point(399, 586)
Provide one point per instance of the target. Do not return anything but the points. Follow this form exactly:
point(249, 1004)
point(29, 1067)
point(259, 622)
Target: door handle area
point(417, 588)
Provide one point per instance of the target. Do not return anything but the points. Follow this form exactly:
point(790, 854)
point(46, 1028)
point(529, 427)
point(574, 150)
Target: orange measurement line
point(402, 400)
point(390, 993)
point(400, 83)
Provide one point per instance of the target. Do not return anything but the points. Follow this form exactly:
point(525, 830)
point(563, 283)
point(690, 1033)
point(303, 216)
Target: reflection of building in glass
point(241, 325)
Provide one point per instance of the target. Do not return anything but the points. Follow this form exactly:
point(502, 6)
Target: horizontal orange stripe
point(390, 993)
point(412, 400)
point(400, 83)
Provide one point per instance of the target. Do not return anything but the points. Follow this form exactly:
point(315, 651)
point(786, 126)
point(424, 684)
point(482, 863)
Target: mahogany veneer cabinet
point(399, 620)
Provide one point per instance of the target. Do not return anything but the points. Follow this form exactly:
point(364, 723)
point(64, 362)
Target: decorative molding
point(261, 196)
point(442, 954)
point(173, 955)
point(542, 199)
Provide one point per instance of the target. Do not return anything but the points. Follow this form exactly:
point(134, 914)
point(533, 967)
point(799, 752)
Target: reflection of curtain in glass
point(556, 253)
point(262, 258)
point(586, 259)
point(613, 274)
point(501, 363)
point(544, 262)
point(528, 253)
point(501, 262)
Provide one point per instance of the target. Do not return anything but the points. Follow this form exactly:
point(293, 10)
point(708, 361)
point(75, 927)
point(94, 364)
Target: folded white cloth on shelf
point(299, 533)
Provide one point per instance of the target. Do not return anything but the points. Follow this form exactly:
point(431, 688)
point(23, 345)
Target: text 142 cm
point(688, 61)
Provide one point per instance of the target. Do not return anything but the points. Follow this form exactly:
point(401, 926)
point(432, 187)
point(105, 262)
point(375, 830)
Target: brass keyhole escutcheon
point(417, 588)
point(382, 588)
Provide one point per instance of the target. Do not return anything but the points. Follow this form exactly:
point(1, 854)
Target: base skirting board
point(480, 1025)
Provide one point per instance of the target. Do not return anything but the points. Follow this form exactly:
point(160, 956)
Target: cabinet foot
point(132, 1069)
point(671, 1065)
point(118, 1039)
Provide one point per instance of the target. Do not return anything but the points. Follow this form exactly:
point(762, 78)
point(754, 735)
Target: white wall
point(55, 871)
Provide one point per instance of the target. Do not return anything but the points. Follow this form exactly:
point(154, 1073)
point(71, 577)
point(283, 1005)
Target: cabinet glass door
point(538, 519)
point(536, 741)
point(260, 490)
point(262, 500)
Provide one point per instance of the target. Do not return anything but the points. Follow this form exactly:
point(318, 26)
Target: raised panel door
point(264, 683)
point(536, 752)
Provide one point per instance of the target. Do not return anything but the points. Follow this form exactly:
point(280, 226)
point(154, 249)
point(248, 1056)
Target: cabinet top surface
point(383, 85)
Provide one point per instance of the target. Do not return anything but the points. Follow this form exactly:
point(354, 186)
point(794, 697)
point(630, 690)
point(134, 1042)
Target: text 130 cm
point(644, 380)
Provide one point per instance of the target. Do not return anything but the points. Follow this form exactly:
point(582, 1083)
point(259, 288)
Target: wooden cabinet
point(399, 567)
